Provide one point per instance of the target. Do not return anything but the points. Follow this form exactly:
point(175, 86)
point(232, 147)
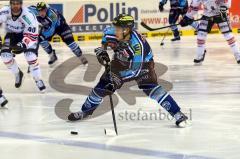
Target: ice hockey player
point(53, 23)
point(215, 12)
point(133, 60)
point(21, 36)
point(178, 7)
point(3, 100)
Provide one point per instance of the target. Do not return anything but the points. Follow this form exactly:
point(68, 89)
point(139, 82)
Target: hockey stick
point(164, 37)
point(108, 70)
point(169, 26)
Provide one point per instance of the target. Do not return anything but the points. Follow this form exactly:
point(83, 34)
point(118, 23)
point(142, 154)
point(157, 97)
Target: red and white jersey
point(26, 23)
point(210, 7)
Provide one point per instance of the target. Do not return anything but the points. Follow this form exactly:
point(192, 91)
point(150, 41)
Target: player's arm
point(192, 11)
point(101, 52)
point(136, 63)
point(54, 19)
point(3, 14)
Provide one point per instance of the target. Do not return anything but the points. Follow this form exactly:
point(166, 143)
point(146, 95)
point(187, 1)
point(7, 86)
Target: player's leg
point(173, 17)
point(97, 94)
point(205, 27)
point(225, 27)
point(8, 58)
point(47, 47)
point(66, 34)
point(3, 100)
point(94, 99)
point(32, 59)
point(148, 83)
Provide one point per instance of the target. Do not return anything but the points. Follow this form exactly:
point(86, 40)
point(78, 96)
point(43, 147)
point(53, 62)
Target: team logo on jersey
point(166, 105)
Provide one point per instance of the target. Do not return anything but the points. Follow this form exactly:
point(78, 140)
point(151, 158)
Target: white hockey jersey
point(26, 23)
point(210, 7)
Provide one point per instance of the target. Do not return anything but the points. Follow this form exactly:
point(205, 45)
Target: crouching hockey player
point(133, 60)
point(22, 36)
point(178, 7)
point(53, 23)
point(214, 13)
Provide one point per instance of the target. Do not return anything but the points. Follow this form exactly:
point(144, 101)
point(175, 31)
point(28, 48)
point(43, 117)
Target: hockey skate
point(3, 101)
point(18, 79)
point(237, 57)
point(80, 115)
point(83, 60)
point(182, 120)
point(176, 38)
point(53, 58)
point(200, 59)
point(41, 86)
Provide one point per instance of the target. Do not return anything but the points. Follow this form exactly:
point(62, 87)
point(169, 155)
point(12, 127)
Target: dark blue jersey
point(138, 49)
point(49, 23)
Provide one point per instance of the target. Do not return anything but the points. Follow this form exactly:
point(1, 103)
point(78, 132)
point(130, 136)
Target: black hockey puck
point(74, 133)
point(162, 44)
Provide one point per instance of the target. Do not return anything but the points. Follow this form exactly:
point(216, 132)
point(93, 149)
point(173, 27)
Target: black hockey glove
point(19, 48)
point(102, 56)
point(115, 82)
point(224, 13)
point(223, 9)
point(186, 21)
point(161, 8)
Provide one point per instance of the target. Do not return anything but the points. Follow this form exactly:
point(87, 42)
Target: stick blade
point(146, 26)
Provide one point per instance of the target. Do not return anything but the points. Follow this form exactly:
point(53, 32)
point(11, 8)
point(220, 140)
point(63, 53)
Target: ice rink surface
point(31, 129)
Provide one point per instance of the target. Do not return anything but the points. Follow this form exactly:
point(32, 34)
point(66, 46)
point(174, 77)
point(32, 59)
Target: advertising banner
point(92, 16)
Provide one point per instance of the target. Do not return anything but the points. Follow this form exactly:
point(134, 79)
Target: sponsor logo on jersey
point(25, 18)
point(4, 12)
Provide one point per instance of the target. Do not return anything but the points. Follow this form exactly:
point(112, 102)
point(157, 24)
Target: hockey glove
point(115, 82)
point(102, 56)
point(19, 48)
point(223, 9)
point(161, 8)
point(224, 13)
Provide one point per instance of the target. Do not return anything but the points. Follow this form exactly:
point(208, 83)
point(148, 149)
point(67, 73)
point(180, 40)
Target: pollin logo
point(102, 16)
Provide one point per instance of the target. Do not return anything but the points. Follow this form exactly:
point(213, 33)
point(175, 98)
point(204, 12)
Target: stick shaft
point(108, 69)
point(154, 29)
point(164, 37)
point(113, 114)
